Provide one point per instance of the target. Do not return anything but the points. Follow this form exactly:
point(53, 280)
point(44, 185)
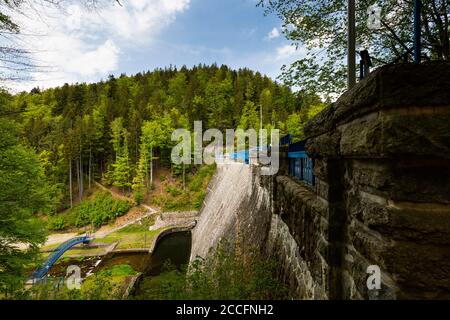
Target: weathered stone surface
point(325, 191)
point(401, 85)
point(295, 270)
point(417, 134)
point(382, 166)
point(324, 146)
point(405, 133)
point(362, 138)
point(420, 271)
point(370, 175)
point(420, 180)
point(355, 279)
point(425, 223)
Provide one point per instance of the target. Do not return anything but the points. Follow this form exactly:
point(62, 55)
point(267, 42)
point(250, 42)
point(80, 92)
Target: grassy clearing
point(135, 236)
point(121, 270)
point(78, 251)
point(132, 238)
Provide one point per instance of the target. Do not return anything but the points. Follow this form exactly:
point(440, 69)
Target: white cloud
point(285, 52)
point(83, 45)
point(275, 33)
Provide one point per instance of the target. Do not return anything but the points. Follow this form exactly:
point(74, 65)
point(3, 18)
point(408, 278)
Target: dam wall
point(236, 208)
point(381, 196)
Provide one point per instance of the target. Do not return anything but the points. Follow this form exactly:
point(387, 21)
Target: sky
point(80, 45)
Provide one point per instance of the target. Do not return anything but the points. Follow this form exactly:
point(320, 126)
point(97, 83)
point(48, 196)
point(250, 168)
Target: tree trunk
point(90, 166)
point(81, 179)
point(78, 175)
point(184, 177)
point(151, 165)
point(146, 170)
point(136, 151)
point(70, 183)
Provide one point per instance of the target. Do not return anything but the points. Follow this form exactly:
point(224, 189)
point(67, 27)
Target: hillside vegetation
point(119, 130)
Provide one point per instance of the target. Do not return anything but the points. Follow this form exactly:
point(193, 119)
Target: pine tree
point(121, 176)
point(24, 191)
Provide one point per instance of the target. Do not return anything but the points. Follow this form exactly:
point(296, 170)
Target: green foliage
point(315, 109)
point(192, 198)
point(100, 286)
point(319, 27)
point(23, 193)
point(103, 285)
point(57, 223)
point(294, 126)
point(250, 117)
point(224, 276)
point(197, 182)
point(139, 227)
point(122, 270)
point(198, 201)
point(174, 191)
point(98, 211)
point(121, 176)
point(120, 129)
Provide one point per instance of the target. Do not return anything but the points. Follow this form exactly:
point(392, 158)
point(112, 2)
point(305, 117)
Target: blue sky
point(82, 45)
point(232, 32)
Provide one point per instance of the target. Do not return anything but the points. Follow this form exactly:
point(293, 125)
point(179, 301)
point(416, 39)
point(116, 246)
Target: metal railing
point(59, 251)
point(301, 167)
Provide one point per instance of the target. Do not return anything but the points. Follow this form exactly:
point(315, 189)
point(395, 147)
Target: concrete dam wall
point(236, 207)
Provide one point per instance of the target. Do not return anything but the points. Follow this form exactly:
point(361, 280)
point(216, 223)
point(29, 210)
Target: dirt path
point(114, 193)
point(134, 215)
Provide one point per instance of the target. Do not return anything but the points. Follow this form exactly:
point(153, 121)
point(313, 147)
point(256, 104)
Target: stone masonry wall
point(382, 193)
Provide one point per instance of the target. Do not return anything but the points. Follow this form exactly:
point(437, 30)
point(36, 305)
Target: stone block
point(421, 271)
point(324, 146)
point(391, 86)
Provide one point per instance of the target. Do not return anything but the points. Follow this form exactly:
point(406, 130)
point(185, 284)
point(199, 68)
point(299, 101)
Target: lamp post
point(351, 63)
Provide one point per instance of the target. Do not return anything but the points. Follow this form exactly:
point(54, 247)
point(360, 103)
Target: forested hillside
point(117, 130)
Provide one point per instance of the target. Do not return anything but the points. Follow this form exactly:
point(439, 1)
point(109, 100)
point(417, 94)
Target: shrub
point(225, 275)
point(198, 202)
point(100, 210)
point(57, 223)
point(201, 178)
point(138, 196)
point(190, 199)
point(122, 270)
point(174, 191)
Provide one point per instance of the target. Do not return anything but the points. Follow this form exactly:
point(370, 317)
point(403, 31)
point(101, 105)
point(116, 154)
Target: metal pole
point(417, 31)
point(260, 125)
point(351, 43)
